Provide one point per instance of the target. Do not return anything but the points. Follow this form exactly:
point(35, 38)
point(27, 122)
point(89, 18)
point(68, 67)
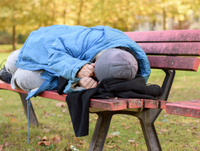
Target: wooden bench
point(166, 50)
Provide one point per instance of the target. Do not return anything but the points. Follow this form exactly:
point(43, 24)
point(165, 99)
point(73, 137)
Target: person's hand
point(86, 71)
point(88, 82)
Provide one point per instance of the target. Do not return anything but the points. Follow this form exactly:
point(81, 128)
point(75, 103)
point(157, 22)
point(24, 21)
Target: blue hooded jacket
point(62, 50)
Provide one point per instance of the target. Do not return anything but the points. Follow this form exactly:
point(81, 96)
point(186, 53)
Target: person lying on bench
point(76, 53)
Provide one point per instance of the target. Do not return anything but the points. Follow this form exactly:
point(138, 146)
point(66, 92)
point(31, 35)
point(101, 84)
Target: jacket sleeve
point(63, 62)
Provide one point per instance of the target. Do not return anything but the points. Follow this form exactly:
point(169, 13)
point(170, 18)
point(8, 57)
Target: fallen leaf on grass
point(127, 127)
point(159, 123)
point(113, 146)
point(55, 140)
point(137, 122)
point(135, 144)
point(131, 141)
point(44, 138)
point(123, 124)
point(10, 114)
point(1, 147)
point(76, 139)
point(194, 127)
point(45, 114)
point(114, 128)
point(13, 120)
point(137, 132)
point(61, 104)
point(46, 143)
point(118, 141)
point(64, 111)
point(59, 115)
point(111, 136)
point(6, 144)
point(81, 142)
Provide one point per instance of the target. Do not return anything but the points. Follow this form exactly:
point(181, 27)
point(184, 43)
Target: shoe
point(5, 76)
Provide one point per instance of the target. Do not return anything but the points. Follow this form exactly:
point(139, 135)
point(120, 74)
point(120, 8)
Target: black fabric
point(62, 82)
point(78, 103)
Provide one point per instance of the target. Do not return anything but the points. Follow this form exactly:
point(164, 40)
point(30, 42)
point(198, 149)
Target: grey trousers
point(24, 79)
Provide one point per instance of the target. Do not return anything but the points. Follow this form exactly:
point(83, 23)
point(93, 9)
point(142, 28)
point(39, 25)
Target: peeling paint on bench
point(184, 108)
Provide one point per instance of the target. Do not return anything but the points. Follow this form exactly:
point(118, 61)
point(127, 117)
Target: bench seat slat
point(135, 103)
point(184, 108)
point(169, 35)
point(108, 104)
point(146, 103)
point(174, 62)
point(183, 48)
point(103, 104)
point(151, 104)
point(52, 94)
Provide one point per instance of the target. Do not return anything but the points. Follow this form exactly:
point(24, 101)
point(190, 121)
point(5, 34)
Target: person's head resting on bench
point(115, 63)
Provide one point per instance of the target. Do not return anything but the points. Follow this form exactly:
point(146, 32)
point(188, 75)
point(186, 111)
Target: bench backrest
point(170, 49)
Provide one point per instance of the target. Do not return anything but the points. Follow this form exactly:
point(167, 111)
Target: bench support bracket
point(100, 131)
point(32, 116)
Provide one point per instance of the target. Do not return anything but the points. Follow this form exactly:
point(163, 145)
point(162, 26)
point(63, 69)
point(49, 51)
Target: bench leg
point(100, 132)
point(32, 116)
point(147, 118)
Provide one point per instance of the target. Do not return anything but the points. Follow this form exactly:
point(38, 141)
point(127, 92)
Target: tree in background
point(14, 15)
point(23, 16)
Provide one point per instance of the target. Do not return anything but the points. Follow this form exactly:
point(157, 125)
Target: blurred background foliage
point(19, 17)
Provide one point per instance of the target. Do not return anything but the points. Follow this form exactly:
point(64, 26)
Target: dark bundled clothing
point(78, 103)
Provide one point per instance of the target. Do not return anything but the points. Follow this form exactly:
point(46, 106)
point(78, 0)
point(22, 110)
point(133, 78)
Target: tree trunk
point(180, 24)
point(164, 19)
point(79, 13)
point(14, 38)
point(102, 12)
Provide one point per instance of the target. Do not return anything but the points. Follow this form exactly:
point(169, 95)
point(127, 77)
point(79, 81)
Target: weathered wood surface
point(178, 48)
point(184, 108)
point(109, 104)
point(135, 103)
point(104, 104)
point(174, 62)
point(52, 94)
point(151, 104)
point(169, 35)
point(163, 104)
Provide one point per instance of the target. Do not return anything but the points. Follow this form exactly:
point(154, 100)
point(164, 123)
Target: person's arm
point(71, 68)
point(62, 62)
point(87, 83)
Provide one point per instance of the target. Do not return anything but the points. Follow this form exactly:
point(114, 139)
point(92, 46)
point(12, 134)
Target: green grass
point(8, 48)
point(175, 132)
